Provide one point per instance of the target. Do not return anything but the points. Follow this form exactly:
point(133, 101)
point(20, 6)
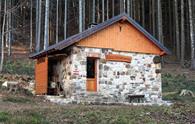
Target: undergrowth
point(173, 85)
point(19, 66)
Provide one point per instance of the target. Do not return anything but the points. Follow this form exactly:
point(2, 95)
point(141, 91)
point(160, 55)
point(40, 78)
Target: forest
point(37, 24)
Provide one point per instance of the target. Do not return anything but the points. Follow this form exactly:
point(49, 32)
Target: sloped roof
point(75, 38)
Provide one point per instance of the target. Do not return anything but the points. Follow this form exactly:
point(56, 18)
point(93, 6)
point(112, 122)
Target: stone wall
point(115, 79)
point(63, 69)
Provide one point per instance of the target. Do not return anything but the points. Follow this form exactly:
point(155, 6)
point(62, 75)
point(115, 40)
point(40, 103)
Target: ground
point(23, 108)
point(34, 110)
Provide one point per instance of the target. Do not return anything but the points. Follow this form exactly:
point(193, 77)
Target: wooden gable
point(121, 36)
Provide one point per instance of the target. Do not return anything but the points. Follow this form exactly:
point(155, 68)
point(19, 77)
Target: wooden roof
point(76, 38)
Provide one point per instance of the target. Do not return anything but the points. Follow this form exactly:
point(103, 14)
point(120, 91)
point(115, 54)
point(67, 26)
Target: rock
point(106, 68)
point(8, 83)
point(4, 84)
point(186, 93)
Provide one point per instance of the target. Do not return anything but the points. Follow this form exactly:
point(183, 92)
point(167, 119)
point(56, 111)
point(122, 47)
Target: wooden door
point(91, 75)
point(41, 76)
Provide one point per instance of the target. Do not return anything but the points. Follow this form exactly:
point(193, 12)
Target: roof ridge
point(77, 37)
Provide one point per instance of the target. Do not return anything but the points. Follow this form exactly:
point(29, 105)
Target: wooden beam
point(118, 58)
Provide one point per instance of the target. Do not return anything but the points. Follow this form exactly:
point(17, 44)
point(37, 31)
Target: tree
point(65, 19)
point(103, 11)
point(8, 29)
point(38, 24)
point(46, 32)
point(80, 16)
point(2, 37)
point(57, 21)
point(31, 25)
point(93, 12)
point(177, 29)
point(160, 28)
point(182, 34)
point(191, 35)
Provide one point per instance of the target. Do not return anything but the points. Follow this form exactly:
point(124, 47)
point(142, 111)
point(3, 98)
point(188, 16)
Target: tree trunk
point(98, 12)
point(113, 8)
point(153, 24)
point(38, 24)
point(103, 11)
point(83, 6)
point(182, 34)
point(57, 20)
point(2, 37)
point(107, 9)
point(128, 7)
point(9, 30)
point(191, 35)
point(65, 19)
point(143, 13)
point(122, 6)
point(80, 16)
point(31, 26)
point(93, 12)
point(46, 32)
point(160, 28)
point(177, 30)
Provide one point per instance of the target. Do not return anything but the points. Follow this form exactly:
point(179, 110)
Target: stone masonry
point(116, 80)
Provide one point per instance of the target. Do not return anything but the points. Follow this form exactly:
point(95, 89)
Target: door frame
point(96, 79)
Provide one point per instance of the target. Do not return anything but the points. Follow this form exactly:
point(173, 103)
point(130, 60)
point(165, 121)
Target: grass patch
point(14, 99)
point(106, 115)
point(175, 97)
point(19, 66)
point(4, 116)
point(173, 85)
point(25, 117)
point(29, 118)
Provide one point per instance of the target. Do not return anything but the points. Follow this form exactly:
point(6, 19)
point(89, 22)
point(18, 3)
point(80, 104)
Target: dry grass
point(34, 110)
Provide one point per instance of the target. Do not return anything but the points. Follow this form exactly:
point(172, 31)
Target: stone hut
point(116, 61)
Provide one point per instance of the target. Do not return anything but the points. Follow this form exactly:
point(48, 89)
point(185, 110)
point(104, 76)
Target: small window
point(90, 68)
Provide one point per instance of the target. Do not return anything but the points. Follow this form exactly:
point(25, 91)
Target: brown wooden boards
point(118, 58)
point(41, 76)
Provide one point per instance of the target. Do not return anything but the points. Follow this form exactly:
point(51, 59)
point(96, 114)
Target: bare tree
point(83, 8)
point(107, 9)
point(191, 35)
point(113, 9)
point(128, 7)
point(103, 11)
point(2, 37)
point(177, 29)
point(143, 13)
point(46, 32)
point(38, 24)
point(31, 26)
point(182, 34)
point(57, 21)
point(93, 11)
point(65, 19)
point(8, 29)
point(160, 28)
point(80, 15)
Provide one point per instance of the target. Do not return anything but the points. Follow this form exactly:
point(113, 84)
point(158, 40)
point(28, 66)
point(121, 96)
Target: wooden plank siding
point(121, 36)
point(41, 76)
